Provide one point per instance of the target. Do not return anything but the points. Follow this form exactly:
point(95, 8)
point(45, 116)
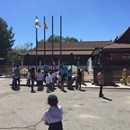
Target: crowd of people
point(53, 115)
point(50, 78)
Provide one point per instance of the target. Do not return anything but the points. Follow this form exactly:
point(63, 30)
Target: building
point(115, 56)
point(119, 54)
point(85, 54)
point(71, 53)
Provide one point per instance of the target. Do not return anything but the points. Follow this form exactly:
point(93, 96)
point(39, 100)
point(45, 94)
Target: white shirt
point(48, 79)
point(54, 74)
point(53, 114)
point(39, 76)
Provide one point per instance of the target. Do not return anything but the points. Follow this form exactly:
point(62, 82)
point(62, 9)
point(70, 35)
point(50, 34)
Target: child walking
point(53, 116)
point(48, 81)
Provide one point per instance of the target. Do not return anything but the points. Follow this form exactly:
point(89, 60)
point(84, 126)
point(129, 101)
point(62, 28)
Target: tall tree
point(6, 39)
point(15, 55)
point(56, 38)
point(65, 39)
point(70, 39)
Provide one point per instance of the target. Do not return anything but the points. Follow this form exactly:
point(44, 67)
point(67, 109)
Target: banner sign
point(119, 56)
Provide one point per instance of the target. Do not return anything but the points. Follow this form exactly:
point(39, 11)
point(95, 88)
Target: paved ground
point(83, 110)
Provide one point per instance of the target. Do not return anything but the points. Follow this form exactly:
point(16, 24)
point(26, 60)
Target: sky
point(89, 20)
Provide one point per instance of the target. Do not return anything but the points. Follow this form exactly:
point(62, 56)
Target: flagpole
point(52, 41)
point(60, 40)
point(44, 42)
point(36, 44)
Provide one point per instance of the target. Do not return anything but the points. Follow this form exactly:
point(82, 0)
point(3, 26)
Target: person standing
point(124, 76)
point(28, 78)
point(100, 78)
point(48, 81)
point(39, 77)
point(53, 116)
point(33, 76)
point(79, 79)
point(63, 76)
point(45, 69)
point(17, 77)
point(83, 81)
point(13, 80)
point(70, 80)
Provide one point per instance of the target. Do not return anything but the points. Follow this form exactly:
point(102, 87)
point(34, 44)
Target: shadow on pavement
point(105, 98)
point(82, 90)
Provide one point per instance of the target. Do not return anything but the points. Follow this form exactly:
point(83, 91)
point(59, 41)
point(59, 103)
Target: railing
point(5, 71)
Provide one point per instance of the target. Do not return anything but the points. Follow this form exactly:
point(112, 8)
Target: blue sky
point(89, 20)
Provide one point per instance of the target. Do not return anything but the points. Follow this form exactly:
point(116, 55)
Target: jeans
point(17, 83)
point(32, 85)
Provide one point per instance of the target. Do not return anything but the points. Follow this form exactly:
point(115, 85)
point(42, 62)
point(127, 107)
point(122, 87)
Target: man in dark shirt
point(17, 77)
point(79, 79)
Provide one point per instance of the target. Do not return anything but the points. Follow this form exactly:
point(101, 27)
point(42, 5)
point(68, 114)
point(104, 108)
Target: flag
point(45, 25)
point(37, 23)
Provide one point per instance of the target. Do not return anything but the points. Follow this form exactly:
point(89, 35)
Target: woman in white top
point(53, 116)
point(48, 81)
point(39, 78)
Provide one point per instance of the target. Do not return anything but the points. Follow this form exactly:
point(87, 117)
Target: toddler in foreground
point(53, 116)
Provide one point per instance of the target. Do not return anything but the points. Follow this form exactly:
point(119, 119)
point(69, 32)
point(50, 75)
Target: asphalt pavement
point(83, 110)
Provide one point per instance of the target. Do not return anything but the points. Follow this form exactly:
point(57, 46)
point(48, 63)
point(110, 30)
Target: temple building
point(71, 53)
point(86, 55)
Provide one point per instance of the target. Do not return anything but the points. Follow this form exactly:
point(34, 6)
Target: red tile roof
point(63, 52)
point(117, 46)
point(77, 48)
point(89, 45)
